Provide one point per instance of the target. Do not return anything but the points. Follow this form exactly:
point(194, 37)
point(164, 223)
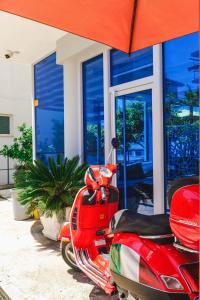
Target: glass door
point(133, 126)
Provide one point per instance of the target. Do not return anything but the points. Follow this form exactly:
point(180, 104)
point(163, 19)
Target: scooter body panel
point(65, 232)
point(147, 263)
point(185, 216)
point(89, 221)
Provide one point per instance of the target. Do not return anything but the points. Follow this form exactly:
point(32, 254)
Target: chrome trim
point(91, 198)
point(185, 222)
point(87, 263)
point(164, 277)
point(154, 237)
point(178, 246)
point(92, 272)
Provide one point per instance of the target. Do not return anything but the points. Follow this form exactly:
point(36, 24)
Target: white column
point(158, 148)
point(33, 113)
point(71, 109)
point(107, 104)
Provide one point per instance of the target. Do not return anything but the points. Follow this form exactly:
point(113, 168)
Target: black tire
point(124, 295)
point(66, 250)
point(177, 184)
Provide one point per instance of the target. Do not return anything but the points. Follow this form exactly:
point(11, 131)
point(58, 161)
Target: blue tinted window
point(125, 68)
point(133, 119)
point(181, 94)
point(49, 114)
point(93, 108)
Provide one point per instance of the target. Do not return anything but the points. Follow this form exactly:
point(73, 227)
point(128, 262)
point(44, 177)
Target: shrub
point(21, 149)
point(50, 188)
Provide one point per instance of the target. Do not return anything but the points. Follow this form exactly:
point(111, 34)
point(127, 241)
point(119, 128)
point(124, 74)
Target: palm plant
point(50, 188)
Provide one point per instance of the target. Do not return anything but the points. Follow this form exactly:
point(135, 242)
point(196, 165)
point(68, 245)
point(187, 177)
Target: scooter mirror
point(115, 143)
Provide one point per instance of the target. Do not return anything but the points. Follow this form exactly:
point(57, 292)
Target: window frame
point(34, 112)
point(10, 134)
point(156, 83)
point(132, 70)
point(84, 124)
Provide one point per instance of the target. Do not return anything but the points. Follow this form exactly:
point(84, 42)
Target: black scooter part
point(144, 292)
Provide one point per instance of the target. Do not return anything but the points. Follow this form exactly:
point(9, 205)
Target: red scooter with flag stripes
point(143, 257)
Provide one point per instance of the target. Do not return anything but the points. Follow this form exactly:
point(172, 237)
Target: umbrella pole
point(132, 26)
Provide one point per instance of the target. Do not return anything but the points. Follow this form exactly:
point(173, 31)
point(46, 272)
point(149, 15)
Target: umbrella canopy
point(127, 25)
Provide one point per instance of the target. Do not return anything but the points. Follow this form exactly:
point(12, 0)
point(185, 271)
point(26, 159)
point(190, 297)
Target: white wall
point(15, 100)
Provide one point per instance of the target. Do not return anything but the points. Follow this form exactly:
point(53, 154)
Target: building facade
point(15, 108)
point(88, 93)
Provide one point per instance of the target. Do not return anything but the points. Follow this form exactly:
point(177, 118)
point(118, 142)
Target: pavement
point(31, 267)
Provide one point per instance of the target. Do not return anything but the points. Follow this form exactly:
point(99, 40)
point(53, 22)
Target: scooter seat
point(143, 225)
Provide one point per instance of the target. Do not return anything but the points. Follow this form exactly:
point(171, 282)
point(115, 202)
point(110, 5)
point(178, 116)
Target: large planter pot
point(52, 226)
point(19, 211)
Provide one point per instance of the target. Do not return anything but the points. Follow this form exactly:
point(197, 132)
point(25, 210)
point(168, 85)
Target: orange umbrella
point(128, 25)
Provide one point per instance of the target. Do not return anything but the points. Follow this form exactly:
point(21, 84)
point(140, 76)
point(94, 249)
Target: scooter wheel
point(125, 295)
point(122, 294)
point(68, 255)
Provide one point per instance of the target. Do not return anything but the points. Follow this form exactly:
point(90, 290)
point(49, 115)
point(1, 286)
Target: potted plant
point(21, 150)
point(51, 189)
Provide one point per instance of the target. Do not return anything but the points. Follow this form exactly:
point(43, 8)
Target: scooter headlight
point(105, 172)
point(172, 283)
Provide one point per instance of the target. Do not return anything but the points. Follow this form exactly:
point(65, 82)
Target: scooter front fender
point(64, 234)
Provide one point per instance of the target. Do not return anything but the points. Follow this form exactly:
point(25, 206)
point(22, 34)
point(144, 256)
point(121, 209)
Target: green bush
point(50, 188)
point(21, 149)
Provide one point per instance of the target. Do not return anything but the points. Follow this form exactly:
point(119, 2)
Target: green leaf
point(54, 187)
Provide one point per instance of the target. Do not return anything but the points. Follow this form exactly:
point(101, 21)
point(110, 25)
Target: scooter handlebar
point(91, 172)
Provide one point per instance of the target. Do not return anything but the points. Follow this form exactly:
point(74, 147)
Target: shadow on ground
point(96, 293)
point(43, 242)
point(2, 198)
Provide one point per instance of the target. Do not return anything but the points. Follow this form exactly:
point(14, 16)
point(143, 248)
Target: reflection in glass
point(181, 107)
point(93, 110)
point(125, 68)
point(134, 155)
point(49, 114)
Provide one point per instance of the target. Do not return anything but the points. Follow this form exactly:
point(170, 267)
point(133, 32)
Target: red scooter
point(138, 256)
point(151, 260)
point(85, 240)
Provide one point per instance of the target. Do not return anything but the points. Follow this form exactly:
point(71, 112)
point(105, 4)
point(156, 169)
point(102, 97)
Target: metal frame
point(11, 126)
point(152, 82)
point(158, 132)
point(155, 84)
point(7, 170)
point(140, 86)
